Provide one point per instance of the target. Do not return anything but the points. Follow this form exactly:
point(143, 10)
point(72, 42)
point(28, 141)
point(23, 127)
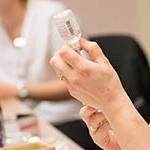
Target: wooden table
point(14, 106)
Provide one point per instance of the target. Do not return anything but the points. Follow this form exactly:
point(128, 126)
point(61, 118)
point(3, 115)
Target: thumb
point(92, 48)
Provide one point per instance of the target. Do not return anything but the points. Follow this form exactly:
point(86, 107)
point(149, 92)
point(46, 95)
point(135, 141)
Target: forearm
point(130, 129)
point(52, 90)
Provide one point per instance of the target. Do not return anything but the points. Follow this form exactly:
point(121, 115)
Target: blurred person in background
point(28, 39)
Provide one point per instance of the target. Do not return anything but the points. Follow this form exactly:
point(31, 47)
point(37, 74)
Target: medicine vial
point(68, 28)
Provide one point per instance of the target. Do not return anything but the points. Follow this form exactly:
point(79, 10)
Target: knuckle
point(94, 45)
point(53, 61)
point(82, 114)
point(63, 52)
point(85, 71)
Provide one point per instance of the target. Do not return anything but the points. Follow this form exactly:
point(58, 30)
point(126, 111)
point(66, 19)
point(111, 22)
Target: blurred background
point(99, 17)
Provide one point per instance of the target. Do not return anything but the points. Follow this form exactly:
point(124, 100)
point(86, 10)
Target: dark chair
point(128, 59)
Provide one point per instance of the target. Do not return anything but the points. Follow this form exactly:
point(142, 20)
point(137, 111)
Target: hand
point(7, 90)
point(99, 128)
point(97, 84)
point(93, 83)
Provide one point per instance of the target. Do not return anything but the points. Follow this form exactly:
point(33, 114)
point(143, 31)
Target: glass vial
point(68, 28)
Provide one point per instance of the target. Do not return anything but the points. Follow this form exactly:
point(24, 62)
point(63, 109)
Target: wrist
point(114, 100)
point(121, 110)
point(22, 90)
point(126, 121)
point(117, 104)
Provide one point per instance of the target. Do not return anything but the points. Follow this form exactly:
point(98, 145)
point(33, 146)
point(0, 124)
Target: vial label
point(68, 28)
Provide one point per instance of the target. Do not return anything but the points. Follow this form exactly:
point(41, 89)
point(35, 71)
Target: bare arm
point(97, 84)
point(52, 90)
point(130, 129)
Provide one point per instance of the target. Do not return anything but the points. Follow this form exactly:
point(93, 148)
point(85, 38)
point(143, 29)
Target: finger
point(96, 120)
point(87, 111)
point(61, 68)
point(92, 48)
point(71, 57)
point(101, 136)
point(85, 114)
point(113, 141)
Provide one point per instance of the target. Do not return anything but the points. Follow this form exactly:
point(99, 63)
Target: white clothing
point(30, 63)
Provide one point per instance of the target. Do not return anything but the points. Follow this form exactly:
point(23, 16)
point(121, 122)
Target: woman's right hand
point(94, 83)
point(99, 128)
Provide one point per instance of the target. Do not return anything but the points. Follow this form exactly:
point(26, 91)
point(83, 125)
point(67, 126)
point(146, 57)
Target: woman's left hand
point(99, 128)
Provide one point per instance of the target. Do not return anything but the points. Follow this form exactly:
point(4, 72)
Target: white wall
point(113, 16)
point(144, 10)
